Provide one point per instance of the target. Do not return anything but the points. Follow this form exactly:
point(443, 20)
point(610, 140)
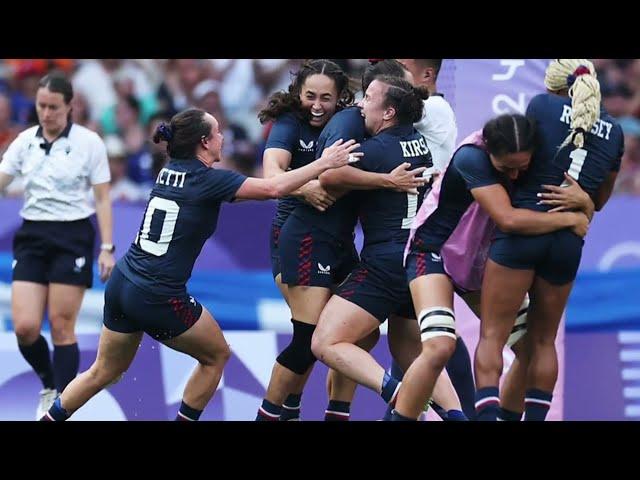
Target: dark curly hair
point(289, 101)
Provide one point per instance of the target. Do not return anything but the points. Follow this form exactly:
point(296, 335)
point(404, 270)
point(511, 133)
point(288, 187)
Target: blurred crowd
point(124, 100)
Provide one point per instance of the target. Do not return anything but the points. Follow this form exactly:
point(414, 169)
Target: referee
point(53, 249)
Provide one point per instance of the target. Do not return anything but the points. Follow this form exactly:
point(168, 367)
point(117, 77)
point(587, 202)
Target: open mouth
point(317, 115)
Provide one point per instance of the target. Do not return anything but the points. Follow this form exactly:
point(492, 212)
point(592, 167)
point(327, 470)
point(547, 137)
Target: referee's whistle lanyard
point(47, 147)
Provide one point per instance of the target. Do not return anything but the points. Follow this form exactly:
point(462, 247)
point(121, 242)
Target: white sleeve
point(437, 123)
point(12, 159)
point(99, 162)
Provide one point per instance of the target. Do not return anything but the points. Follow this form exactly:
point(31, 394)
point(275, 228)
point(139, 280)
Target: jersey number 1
point(577, 162)
point(412, 208)
point(157, 232)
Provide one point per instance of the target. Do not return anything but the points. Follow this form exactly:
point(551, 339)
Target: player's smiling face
point(373, 108)
point(319, 96)
point(214, 140)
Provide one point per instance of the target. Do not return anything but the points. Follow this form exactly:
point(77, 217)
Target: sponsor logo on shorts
point(435, 257)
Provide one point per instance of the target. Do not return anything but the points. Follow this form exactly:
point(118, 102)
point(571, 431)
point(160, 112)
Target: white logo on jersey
point(435, 257)
point(13, 264)
point(192, 300)
point(324, 270)
point(306, 147)
point(80, 261)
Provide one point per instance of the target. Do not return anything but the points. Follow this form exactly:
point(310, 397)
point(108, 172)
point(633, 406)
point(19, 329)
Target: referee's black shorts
point(54, 252)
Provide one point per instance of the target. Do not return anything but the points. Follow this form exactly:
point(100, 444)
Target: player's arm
point(496, 202)
point(5, 180)
point(276, 161)
point(350, 178)
point(602, 195)
point(278, 186)
point(10, 165)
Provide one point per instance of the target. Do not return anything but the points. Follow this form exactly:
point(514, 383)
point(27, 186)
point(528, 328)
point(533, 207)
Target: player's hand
point(315, 195)
point(581, 226)
point(106, 262)
point(568, 196)
point(340, 154)
point(405, 180)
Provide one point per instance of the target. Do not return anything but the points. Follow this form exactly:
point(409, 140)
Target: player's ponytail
point(579, 77)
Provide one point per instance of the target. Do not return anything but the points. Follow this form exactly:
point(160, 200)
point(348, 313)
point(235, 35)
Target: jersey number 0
point(158, 226)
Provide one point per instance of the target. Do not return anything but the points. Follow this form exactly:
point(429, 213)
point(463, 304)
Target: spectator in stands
point(629, 175)
point(122, 188)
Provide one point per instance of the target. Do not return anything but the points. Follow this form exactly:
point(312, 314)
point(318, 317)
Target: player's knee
point(26, 333)
point(101, 375)
point(370, 341)
point(298, 356)
point(438, 351)
point(216, 357)
point(63, 334)
point(223, 354)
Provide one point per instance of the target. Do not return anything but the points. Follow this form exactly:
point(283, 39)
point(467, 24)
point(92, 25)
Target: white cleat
point(47, 397)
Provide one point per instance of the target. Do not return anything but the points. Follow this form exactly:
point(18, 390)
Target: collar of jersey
point(64, 133)
point(399, 130)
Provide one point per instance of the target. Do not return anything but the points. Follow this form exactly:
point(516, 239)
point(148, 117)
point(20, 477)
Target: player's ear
point(389, 113)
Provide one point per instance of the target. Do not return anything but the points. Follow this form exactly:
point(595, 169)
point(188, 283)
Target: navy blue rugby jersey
point(340, 219)
point(182, 213)
point(386, 215)
point(590, 165)
point(469, 168)
point(296, 136)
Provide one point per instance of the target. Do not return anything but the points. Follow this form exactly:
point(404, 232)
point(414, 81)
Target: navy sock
point(456, 416)
point(66, 360)
point(536, 405)
point(291, 408)
point(389, 388)
point(268, 412)
point(396, 417)
point(459, 370)
point(487, 404)
point(38, 356)
point(56, 413)
point(396, 372)
point(509, 415)
point(441, 412)
point(187, 414)
point(337, 411)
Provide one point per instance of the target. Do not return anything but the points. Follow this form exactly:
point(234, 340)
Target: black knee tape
point(298, 357)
